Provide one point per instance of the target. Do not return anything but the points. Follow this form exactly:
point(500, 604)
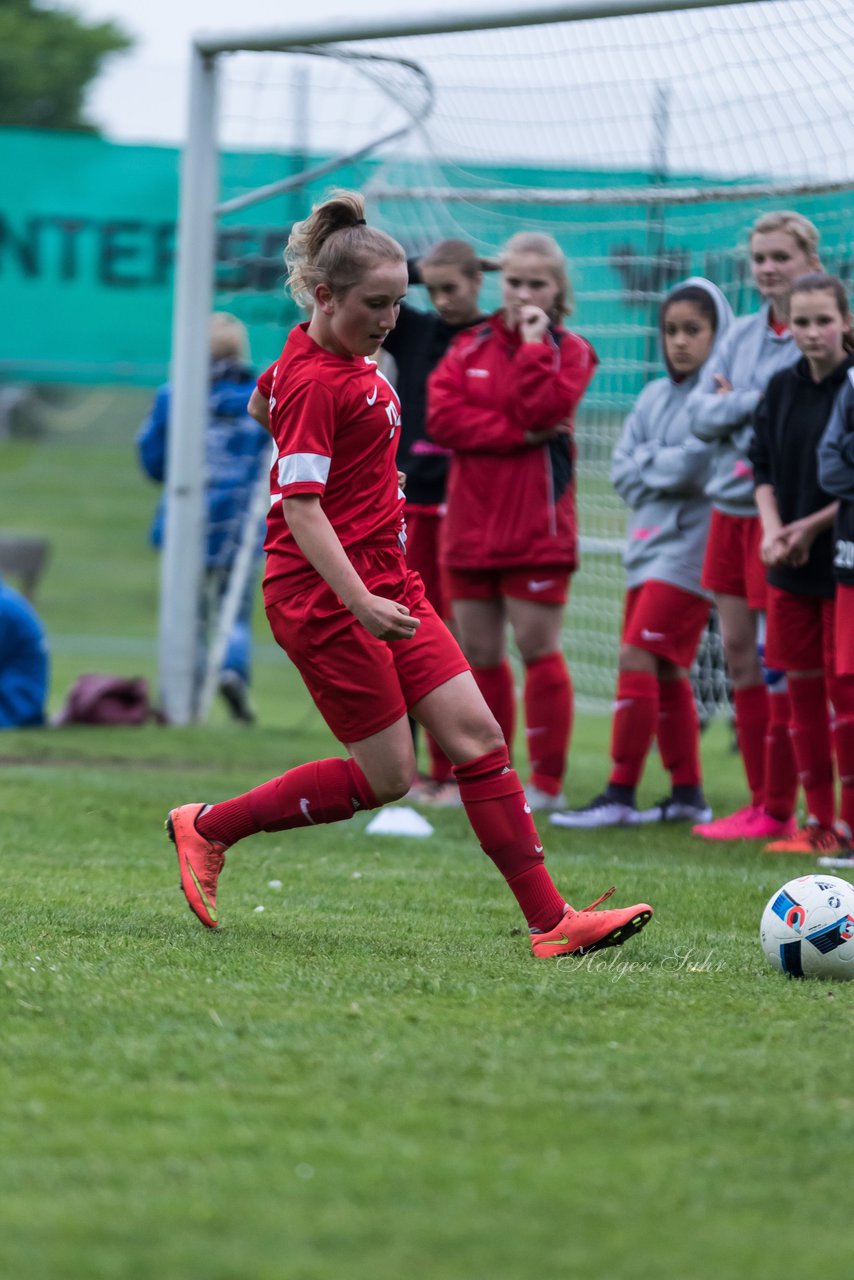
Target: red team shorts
point(544, 584)
point(360, 684)
point(665, 620)
point(732, 566)
point(801, 632)
point(423, 533)
point(844, 630)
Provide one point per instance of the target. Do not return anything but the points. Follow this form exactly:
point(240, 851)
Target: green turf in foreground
point(372, 1078)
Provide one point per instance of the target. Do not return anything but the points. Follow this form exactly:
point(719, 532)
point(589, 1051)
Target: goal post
point(645, 135)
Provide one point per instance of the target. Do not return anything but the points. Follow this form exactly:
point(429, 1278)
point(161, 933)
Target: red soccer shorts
point(844, 630)
point(800, 632)
point(423, 532)
point(360, 684)
point(544, 584)
point(665, 620)
point(732, 566)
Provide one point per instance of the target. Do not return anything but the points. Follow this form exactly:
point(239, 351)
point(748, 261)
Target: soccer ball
point(807, 928)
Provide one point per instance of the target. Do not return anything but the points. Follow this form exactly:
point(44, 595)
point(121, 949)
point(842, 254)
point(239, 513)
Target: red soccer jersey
point(336, 423)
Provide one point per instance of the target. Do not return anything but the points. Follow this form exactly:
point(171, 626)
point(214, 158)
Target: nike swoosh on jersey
point(652, 635)
point(372, 399)
point(535, 585)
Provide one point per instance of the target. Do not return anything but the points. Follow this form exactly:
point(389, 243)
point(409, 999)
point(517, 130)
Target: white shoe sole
point(596, 819)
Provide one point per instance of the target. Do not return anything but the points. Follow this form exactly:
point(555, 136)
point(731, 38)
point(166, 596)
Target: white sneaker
point(670, 810)
point(542, 802)
point(600, 812)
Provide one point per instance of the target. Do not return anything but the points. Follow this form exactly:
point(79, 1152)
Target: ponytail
point(335, 246)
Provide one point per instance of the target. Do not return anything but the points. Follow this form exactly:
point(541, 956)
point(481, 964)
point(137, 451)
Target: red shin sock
point(548, 720)
point(324, 791)
point(842, 696)
point(679, 732)
point(810, 730)
point(633, 726)
point(499, 692)
point(441, 769)
point(495, 804)
point(781, 771)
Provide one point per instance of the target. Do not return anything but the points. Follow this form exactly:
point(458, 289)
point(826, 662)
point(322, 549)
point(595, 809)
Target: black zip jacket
point(417, 344)
point(788, 425)
point(836, 475)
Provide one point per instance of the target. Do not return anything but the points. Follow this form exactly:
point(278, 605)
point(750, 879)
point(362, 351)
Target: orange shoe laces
point(605, 895)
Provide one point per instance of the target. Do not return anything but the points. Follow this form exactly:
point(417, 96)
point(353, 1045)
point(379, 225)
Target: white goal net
point(645, 137)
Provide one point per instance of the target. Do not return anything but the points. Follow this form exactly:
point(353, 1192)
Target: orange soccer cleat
point(580, 932)
point(199, 860)
point(813, 838)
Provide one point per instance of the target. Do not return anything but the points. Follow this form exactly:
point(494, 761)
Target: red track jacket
point(510, 505)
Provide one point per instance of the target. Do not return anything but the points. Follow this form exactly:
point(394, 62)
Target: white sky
point(754, 88)
point(141, 96)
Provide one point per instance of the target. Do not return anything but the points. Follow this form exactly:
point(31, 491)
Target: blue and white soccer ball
point(807, 928)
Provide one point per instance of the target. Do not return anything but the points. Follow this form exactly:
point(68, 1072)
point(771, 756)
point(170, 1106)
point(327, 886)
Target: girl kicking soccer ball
point(351, 616)
point(660, 469)
point(797, 548)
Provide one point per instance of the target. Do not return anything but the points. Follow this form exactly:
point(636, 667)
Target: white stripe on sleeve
point(303, 468)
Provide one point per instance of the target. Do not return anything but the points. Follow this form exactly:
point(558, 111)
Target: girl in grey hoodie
point(661, 470)
point(783, 246)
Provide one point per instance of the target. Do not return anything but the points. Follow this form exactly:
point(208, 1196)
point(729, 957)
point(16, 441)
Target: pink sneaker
point(753, 822)
point(766, 827)
point(735, 826)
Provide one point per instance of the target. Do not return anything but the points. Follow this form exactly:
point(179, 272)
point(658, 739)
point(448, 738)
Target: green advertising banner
point(87, 245)
point(88, 230)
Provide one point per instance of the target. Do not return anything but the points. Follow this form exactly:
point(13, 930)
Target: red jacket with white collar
point(510, 505)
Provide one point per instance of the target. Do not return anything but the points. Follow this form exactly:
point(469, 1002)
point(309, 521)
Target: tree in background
point(48, 58)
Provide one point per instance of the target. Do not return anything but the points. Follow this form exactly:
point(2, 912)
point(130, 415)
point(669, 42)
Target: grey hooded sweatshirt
point(748, 356)
point(661, 470)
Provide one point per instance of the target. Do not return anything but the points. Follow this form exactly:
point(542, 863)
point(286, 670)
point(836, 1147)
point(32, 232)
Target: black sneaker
point(604, 811)
point(672, 810)
point(235, 692)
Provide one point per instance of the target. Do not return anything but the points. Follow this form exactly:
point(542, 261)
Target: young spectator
point(24, 666)
point(350, 614)
point(660, 470)
point(504, 399)
point(782, 247)
point(236, 450)
point(836, 477)
point(452, 274)
point(797, 547)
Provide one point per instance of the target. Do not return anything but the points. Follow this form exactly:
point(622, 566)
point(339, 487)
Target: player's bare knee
point(634, 659)
point(486, 735)
point(394, 784)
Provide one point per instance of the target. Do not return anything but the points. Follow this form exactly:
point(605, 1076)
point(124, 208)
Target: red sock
point(781, 771)
point(810, 730)
point(842, 695)
point(441, 769)
point(635, 716)
point(495, 804)
point(499, 692)
point(548, 720)
point(751, 722)
point(679, 731)
point(324, 791)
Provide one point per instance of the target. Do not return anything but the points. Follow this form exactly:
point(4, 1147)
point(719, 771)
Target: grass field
point(372, 1077)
